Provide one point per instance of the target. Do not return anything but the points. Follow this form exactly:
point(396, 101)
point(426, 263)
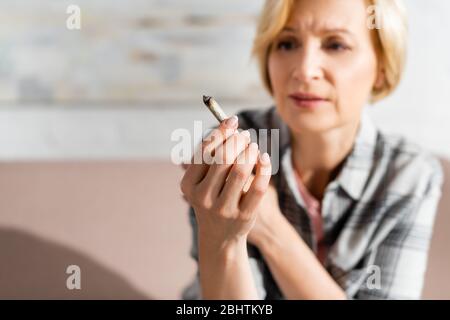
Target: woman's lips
point(307, 100)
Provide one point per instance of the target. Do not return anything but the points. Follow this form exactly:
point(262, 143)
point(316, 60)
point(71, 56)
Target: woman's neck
point(318, 157)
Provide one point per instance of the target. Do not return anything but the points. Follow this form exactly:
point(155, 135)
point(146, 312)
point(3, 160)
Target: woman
point(349, 214)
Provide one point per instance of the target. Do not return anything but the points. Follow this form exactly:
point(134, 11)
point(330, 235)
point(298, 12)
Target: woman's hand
point(225, 214)
point(268, 219)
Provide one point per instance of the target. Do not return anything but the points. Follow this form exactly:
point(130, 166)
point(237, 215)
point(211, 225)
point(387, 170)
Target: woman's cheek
point(354, 84)
point(276, 69)
point(361, 75)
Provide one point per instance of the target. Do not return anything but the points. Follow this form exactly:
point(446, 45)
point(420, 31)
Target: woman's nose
point(308, 67)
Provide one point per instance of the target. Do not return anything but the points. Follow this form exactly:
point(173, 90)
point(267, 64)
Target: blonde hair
point(390, 40)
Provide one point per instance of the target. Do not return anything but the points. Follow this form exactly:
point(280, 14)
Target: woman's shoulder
point(410, 165)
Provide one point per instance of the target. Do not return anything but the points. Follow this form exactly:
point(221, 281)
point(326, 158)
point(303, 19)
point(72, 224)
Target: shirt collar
point(356, 169)
point(358, 165)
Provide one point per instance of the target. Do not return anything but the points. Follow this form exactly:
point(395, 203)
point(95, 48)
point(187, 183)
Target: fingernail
point(231, 122)
point(265, 158)
point(253, 145)
point(246, 133)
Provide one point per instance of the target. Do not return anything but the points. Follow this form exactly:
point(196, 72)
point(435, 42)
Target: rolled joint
point(215, 108)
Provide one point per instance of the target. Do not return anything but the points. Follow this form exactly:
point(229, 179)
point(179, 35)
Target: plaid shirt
point(378, 213)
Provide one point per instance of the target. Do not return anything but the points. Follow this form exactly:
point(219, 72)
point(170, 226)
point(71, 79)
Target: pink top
point(313, 209)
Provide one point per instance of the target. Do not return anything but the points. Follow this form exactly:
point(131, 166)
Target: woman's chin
point(308, 122)
point(313, 122)
point(302, 129)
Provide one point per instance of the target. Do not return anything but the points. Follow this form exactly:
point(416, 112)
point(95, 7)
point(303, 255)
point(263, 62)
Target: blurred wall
point(145, 52)
point(135, 71)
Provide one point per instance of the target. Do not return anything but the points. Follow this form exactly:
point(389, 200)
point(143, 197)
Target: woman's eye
point(285, 45)
point(336, 46)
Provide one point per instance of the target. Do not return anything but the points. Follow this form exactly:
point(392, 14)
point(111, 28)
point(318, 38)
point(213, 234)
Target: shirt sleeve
point(396, 268)
point(193, 290)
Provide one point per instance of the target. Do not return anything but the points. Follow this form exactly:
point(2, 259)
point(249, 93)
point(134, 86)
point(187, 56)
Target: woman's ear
point(380, 80)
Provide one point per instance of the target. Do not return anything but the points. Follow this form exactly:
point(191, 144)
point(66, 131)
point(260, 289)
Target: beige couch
point(125, 225)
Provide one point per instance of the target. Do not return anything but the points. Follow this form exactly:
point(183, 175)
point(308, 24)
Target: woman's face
point(323, 65)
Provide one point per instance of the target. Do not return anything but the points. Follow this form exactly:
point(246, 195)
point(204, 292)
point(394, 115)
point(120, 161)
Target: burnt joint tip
point(206, 99)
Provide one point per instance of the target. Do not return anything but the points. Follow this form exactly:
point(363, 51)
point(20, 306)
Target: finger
point(216, 138)
point(250, 179)
point(258, 188)
point(227, 153)
point(193, 174)
point(197, 170)
point(225, 158)
point(248, 183)
point(239, 174)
